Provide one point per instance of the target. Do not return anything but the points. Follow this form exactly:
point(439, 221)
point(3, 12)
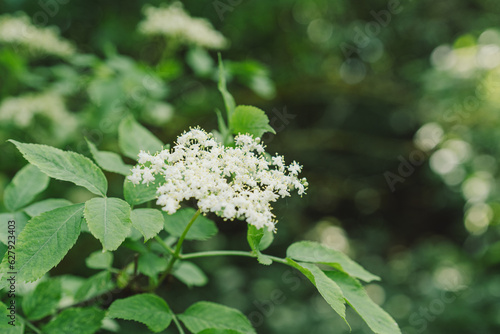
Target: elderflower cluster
point(173, 21)
point(21, 112)
point(233, 182)
point(18, 30)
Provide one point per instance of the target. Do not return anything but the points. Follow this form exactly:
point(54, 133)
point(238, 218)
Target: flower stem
point(175, 255)
point(164, 245)
point(30, 325)
point(228, 253)
point(176, 321)
point(216, 253)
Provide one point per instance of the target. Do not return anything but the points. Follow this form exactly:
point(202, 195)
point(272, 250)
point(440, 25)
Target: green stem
point(176, 321)
point(164, 245)
point(216, 253)
point(177, 251)
point(30, 325)
point(228, 253)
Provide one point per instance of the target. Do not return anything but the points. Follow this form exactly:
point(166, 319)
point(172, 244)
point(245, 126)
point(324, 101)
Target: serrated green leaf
point(99, 260)
point(330, 291)
point(133, 137)
point(226, 96)
point(77, 320)
point(66, 166)
point(309, 251)
point(26, 184)
point(94, 286)
point(250, 120)
point(108, 220)
point(46, 205)
point(134, 233)
point(45, 241)
point(190, 274)
point(147, 221)
point(146, 308)
point(202, 228)
point(136, 194)
point(43, 300)
point(376, 318)
point(254, 237)
point(109, 161)
point(206, 315)
point(151, 264)
point(135, 245)
point(21, 220)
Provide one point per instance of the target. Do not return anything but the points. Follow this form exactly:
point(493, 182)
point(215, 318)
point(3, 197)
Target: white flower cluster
point(21, 111)
point(173, 21)
point(233, 182)
point(18, 30)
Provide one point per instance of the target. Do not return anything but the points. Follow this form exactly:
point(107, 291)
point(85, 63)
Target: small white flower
point(144, 157)
point(232, 182)
point(147, 176)
point(294, 168)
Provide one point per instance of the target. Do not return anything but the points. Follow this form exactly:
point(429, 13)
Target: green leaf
point(45, 241)
point(26, 184)
point(226, 96)
point(254, 237)
point(376, 318)
point(267, 239)
point(77, 320)
point(224, 131)
point(5, 327)
point(46, 205)
point(309, 251)
point(43, 300)
point(94, 286)
point(190, 274)
point(3, 249)
point(251, 120)
point(146, 308)
point(109, 161)
point(207, 315)
point(200, 61)
point(21, 220)
point(99, 260)
point(133, 137)
point(66, 166)
point(148, 221)
point(202, 228)
point(330, 291)
point(135, 245)
point(136, 194)
point(151, 264)
point(108, 220)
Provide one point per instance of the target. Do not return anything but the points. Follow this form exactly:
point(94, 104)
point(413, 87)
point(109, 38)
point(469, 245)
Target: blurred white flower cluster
point(18, 30)
point(233, 182)
point(173, 21)
point(21, 110)
point(469, 55)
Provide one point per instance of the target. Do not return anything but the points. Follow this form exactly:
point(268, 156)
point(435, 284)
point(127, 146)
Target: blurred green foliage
point(354, 90)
